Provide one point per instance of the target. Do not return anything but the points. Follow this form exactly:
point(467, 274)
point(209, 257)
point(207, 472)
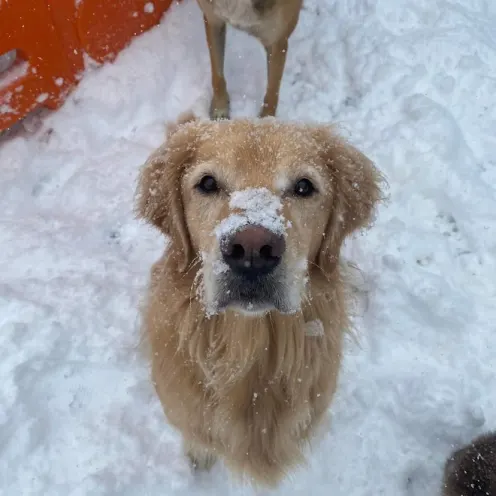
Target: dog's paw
point(219, 110)
point(266, 111)
point(201, 460)
point(217, 114)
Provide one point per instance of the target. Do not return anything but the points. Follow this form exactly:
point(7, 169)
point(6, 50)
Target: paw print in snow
point(425, 261)
point(114, 237)
point(448, 227)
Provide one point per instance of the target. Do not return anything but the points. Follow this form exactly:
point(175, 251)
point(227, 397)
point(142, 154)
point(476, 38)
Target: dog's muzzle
point(253, 255)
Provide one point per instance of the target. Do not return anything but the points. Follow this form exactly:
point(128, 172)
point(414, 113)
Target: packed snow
point(410, 82)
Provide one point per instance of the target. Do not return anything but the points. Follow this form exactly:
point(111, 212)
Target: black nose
point(253, 251)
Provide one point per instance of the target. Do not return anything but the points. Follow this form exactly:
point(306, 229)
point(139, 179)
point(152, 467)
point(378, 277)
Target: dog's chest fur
point(242, 14)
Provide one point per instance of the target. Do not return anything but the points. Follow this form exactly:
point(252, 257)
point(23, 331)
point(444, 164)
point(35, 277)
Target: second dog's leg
point(276, 59)
point(216, 39)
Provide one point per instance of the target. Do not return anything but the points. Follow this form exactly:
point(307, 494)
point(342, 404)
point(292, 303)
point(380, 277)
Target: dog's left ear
point(158, 196)
point(356, 192)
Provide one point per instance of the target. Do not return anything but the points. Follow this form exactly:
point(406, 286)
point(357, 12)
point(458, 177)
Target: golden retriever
point(471, 470)
point(270, 21)
point(247, 307)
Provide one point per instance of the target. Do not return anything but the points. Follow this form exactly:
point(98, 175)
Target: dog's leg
point(276, 60)
point(216, 40)
point(200, 458)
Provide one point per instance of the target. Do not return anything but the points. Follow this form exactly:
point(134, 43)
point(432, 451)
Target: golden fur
point(250, 389)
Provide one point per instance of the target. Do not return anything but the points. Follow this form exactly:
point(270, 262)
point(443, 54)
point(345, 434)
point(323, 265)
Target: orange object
point(50, 37)
point(105, 27)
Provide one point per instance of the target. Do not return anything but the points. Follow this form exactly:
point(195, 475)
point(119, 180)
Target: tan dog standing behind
point(247, 308)
point(270, 21)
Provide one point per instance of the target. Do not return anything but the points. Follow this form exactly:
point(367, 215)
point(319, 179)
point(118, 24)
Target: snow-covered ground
point(413, 83)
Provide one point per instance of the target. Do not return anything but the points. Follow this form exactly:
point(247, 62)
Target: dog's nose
point(253, 251)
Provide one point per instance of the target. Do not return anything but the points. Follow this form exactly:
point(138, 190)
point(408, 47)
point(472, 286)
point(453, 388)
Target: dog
point(471, 470)
point(246, 310)
point(270, 21)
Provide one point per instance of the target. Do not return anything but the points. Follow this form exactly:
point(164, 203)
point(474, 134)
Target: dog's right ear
point(158, 196)
point(183, 118)
point(356, 183)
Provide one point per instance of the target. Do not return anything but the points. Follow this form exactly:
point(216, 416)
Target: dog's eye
point(208, 185)
point(304, 188)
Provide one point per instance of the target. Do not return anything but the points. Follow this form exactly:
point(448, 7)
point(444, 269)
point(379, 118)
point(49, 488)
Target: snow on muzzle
point(252, 238)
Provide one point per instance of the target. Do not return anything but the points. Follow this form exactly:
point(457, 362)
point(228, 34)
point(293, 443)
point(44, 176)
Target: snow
point(6, 61)
point(219, 267)
point(42, 97)
point(412, 84)
point(314, 328)
point(253, 206)
point(13, 73)
point(149, 8)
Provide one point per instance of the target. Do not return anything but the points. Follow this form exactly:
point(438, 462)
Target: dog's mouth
point(252, 296)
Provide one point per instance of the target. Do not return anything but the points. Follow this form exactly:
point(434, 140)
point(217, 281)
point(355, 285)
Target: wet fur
point(251, 390)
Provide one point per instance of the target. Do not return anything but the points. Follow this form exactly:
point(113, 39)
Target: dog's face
point(259, 204)
point(256, 208)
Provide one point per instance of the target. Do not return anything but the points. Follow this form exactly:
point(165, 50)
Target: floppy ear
point(356, 192)
point(158, 196)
